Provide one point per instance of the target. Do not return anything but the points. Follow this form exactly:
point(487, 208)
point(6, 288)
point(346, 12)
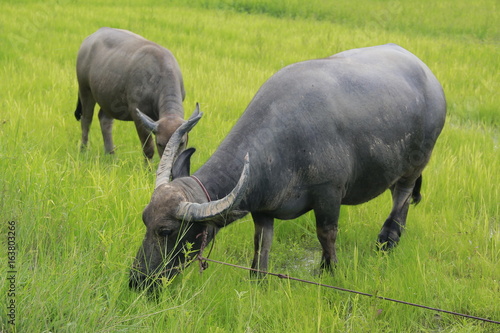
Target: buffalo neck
point(221, 172)
point(169, 105)
point(192, 189)
point(170, 95)
point(220, 175)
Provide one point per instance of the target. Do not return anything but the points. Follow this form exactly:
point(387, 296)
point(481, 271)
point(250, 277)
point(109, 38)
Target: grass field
point(77, 215)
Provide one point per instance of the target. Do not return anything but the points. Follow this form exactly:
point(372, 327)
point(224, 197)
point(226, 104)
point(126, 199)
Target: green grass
point(78, 215)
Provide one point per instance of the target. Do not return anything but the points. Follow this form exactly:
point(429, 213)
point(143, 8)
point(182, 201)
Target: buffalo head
point(179, 217)
point(163, 130)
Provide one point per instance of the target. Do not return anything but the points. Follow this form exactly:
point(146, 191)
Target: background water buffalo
point(319, 134)
point(122, 71)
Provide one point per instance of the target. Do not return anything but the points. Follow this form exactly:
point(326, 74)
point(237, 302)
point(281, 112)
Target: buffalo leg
point(327, 216)
point(88, 105)
point(394, 225)
point(264, 229)
point(106, 129)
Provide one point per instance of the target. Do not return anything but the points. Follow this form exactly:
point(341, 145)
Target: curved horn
point(147, 122)
point(202, 212)
point(165, 167)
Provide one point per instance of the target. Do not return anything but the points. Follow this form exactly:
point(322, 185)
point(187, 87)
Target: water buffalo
point(318, 134)
point(122, 71)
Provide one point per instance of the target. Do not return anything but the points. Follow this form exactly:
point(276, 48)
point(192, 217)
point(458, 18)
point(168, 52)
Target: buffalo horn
point(167, 159)
point(148, 123)
point(191, 211)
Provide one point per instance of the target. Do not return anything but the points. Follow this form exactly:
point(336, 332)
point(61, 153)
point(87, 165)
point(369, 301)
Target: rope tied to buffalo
point(203, 265)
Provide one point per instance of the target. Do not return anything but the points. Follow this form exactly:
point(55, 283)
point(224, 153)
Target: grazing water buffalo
point(318, 134)
point(122, 71)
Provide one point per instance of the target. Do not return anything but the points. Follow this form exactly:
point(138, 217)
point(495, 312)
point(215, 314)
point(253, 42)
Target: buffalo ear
point(182, 165)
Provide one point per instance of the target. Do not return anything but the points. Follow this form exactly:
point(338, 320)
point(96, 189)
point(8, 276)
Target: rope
point(284, 276)
point(202, 187)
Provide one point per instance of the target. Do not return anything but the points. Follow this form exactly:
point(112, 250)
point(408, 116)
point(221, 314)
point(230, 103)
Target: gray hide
point(122, 72)
point(319, 134)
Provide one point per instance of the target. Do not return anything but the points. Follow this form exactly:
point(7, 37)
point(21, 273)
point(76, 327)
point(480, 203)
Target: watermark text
point(11, 272)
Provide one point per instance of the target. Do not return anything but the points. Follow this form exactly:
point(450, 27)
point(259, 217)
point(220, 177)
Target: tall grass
point(78, 214)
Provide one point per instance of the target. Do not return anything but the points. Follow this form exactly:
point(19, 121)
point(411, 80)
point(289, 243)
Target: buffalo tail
point(78, 111)
point(415, 195)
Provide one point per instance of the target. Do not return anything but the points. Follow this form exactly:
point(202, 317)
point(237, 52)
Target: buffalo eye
point(164, 232)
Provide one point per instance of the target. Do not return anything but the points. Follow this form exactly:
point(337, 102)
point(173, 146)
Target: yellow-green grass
point(78, 214)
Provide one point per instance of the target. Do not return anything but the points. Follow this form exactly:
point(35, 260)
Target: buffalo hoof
point(110, 151)
point(257, 275)
point(328, 266)
point(387, 241)
point(322, 270)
